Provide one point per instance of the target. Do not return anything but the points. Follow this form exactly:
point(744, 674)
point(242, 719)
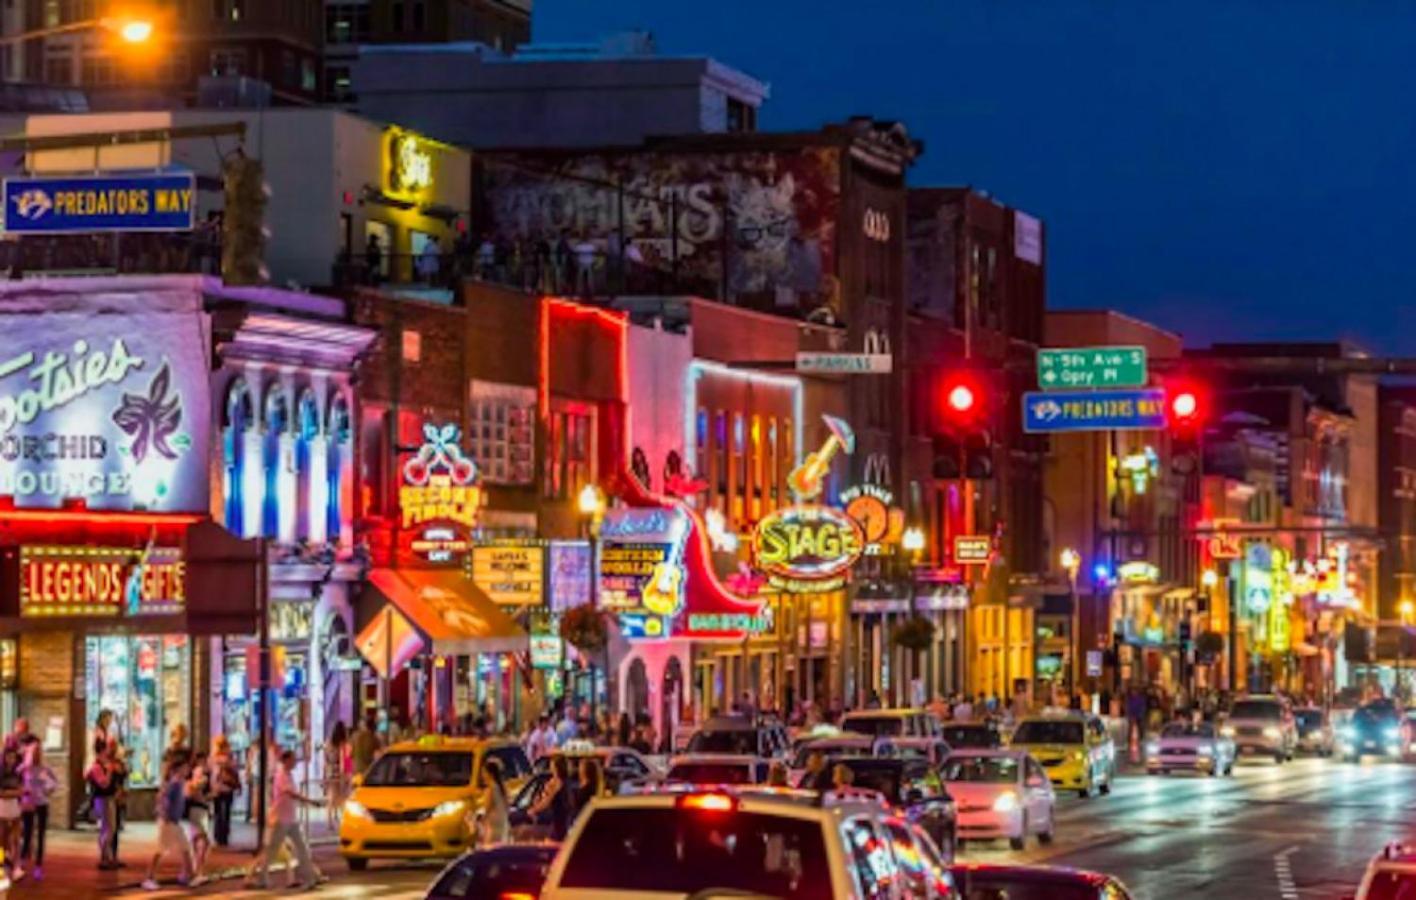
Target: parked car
point(742, 735)
point(1000, 794)
point(912, 785)
point(993, 882)
point(1192, 747)
point(891, 723)
point(497, 873)
point(666, 843)
point(1262, 725)
point(1315, 731)
point(1074, 748)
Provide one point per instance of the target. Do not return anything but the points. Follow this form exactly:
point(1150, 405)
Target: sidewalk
point(71, 860)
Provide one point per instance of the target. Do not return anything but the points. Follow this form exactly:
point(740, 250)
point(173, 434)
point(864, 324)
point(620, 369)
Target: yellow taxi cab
point(1075, 750)
point(419, 799)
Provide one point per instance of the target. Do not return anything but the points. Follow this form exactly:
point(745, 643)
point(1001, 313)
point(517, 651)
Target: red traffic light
point(1185, 405)
point(961, 398)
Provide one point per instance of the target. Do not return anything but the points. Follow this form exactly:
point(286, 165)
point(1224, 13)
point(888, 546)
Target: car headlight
point(356, 809)
point(1205, 750)
point(1393, 733)
point(1273, 733)
point(1227, 731)
point(1347, 732)
point(1152, 749)
point(448, 808)
point(1079, 755)
point(1006, 802)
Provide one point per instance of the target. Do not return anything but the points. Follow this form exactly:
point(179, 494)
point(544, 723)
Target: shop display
point(145, 683)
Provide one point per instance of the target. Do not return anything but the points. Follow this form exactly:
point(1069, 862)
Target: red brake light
point(516, 895)
point(708, 802)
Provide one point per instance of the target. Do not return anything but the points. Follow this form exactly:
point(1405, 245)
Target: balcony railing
point(112, 254)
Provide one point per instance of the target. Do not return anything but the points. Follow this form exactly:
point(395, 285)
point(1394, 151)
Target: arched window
point(337, 434)
point(238, 417)
point(277, 423)
point(307, 430)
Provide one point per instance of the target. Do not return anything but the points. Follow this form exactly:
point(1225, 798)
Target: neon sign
point(439, 490)
point(412, 166)
point(807, 548)
point(100, 581)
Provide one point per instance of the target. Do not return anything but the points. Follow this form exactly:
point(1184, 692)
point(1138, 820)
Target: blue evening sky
point(1231, 169)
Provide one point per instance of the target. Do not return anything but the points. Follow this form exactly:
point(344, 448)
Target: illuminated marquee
point(439, 494)
point(410, 164)
point(807, 548)
point(101, 581)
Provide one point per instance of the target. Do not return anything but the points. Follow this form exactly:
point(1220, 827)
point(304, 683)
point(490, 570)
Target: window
point(503, 876)
point(59, 70)
point(417, 16)
point(288, 67)
point(773, 463)
point(568, 453)
point(720, 458)
point(501, 436)
point(146, 683)
point(307, 75)
point(742, 116)
point(754, 466)
point(870, 859)
point(700, 443)
point(513, 762)
point(910, 861)
point(739, 469)
point(397, 17)
point(228, 61)
point(431, 769)
point(347, 23)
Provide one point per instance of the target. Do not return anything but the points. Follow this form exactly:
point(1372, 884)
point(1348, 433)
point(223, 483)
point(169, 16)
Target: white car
point(1200, 748)
point(1391, 875)
point(1000, 795)
point(717, 768)
point(747, 842)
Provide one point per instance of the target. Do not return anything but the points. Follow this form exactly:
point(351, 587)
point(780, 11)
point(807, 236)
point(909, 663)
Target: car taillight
point(707, 802)
point(516, 895)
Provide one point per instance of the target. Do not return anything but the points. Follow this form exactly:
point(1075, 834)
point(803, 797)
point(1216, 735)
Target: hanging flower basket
point(584, 627)
point(915, 633)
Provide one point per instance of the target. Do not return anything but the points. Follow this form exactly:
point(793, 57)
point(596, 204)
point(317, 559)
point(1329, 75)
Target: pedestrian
point(225, 785)
point(964, 711)
point(102, 788)
point(555, 801)
point(199, 802)
point(336, 754)
point(641, 743)
point(40, 783)
point(777, 776)
point(118, 772)
point(363, 746)
point(178, 740)
point(590, 784)
point(373, 259)
point(541, 739)
point(841, 777)
point(495, 827)
point(11, 793)
point(815, 777)
point(285, 827)
point(171, 809)
point(1135, 716)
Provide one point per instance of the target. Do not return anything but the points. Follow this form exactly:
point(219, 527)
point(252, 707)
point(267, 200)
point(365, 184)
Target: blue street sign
point(75, 204)
point(1141, 409)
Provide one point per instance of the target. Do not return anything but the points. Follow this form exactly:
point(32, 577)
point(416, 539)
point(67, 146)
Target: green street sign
point(1075, 368)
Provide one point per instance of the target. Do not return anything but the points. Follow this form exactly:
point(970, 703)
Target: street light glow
point(136, 31)
point(913, 539)
point(1406, 608)
point(1071, 560)
point(1210, 578)
point(592, 503)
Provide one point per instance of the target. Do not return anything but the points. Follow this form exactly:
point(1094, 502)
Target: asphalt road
point(1302, 831)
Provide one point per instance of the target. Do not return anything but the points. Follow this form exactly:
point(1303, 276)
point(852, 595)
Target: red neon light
point(95, 517)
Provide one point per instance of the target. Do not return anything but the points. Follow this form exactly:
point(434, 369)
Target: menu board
point(510, 574)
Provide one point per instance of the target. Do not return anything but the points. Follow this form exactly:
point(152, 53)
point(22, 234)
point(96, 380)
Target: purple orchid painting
point(151, 420)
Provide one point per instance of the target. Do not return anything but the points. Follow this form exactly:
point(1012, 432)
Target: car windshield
point(1392, 886)
point(876, 726)
point(874, 775)
point(1308, 719)
point(1185, 730)
point(975, 885)
point(419, 769)
point(711, 773)
point(497, 874)
point(1374, 715)
point(735, 741)
point(685, 851)
point(1257, 709)
point(1039, 731)
point(969, 736)
point(982, 769)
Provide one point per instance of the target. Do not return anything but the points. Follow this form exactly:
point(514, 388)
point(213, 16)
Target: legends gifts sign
point(104, 398)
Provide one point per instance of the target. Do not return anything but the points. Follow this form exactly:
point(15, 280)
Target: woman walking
point(11, 791)
point(495, 826)
point(337, 760)
point(199, 801)
point(40, 783)
point(102, 788)
point(225, 785)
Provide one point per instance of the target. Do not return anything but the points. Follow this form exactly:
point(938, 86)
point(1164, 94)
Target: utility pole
point(264, 691)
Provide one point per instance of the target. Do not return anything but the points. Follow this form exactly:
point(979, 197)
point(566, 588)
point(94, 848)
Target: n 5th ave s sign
point(1091, 367)
point(71, 204)
point(1142, 409)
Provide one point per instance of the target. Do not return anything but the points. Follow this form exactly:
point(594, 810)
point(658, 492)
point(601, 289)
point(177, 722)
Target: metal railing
point(112, 254)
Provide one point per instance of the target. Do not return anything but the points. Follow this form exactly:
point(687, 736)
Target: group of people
point(566, 723)
point(26, 784)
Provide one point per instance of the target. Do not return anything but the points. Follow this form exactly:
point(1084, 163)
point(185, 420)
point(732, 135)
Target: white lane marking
point(1283, 869)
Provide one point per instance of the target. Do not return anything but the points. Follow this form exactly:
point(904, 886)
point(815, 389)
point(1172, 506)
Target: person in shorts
point(171, 811)
point(199, 799)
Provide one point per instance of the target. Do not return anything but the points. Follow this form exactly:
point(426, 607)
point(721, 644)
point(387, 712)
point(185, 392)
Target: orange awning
point(448, 611)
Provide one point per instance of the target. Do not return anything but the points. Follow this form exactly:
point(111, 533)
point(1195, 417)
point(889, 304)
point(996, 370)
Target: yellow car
point(420, 798)
point(1075, 750)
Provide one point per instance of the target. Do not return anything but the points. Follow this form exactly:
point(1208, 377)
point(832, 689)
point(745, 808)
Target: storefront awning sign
point(439, 497)
point(547, 651)
point(871, 506)
point(641, 561)
point(807, 548)
point(972, 550)
point(101, 581)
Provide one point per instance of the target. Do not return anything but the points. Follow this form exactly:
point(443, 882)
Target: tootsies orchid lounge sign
point(104, 398)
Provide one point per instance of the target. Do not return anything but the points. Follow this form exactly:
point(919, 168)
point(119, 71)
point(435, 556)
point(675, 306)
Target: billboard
point(104, 397)
point(765, 222)
point(72, 204)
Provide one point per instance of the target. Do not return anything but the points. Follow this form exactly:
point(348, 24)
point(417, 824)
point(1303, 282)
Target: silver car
point(1183, 746)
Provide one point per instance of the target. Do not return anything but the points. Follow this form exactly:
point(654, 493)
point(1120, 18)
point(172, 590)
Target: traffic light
point(963, 399)
point(1186, 405)
point(243, 221)
point(963, 446)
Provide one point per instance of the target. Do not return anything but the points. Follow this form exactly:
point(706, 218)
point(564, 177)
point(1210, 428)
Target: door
point(1038, 793)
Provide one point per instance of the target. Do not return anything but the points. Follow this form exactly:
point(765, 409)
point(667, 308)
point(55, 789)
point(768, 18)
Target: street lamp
point(1405, 609)
point(131, 31)
point(135, 31)
point(591, 503)
point(1071, 562)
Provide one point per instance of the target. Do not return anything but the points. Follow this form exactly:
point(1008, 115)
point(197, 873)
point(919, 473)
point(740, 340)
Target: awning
point(448, 611)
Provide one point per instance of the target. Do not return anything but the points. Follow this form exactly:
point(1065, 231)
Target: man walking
point(285, 826)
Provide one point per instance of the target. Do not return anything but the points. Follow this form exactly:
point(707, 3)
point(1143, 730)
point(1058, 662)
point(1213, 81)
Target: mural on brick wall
point(764, 222)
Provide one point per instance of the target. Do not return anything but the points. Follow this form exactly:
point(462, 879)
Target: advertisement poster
point(109, 402)
point(774, 215)
point(510, 574)
point(570, 564)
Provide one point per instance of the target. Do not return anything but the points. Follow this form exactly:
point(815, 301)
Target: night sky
point(1230, 170)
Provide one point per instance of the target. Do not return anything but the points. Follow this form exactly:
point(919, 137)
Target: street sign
point(972, 550)
point(845, 363)
point(1096, 411)
point(72, 204)
point(1091, 367)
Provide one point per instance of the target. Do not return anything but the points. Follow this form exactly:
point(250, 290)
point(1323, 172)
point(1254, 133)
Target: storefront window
point(290, 725)
point(146, 683)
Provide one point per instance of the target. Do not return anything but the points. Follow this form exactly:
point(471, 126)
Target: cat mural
point(768, 251)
